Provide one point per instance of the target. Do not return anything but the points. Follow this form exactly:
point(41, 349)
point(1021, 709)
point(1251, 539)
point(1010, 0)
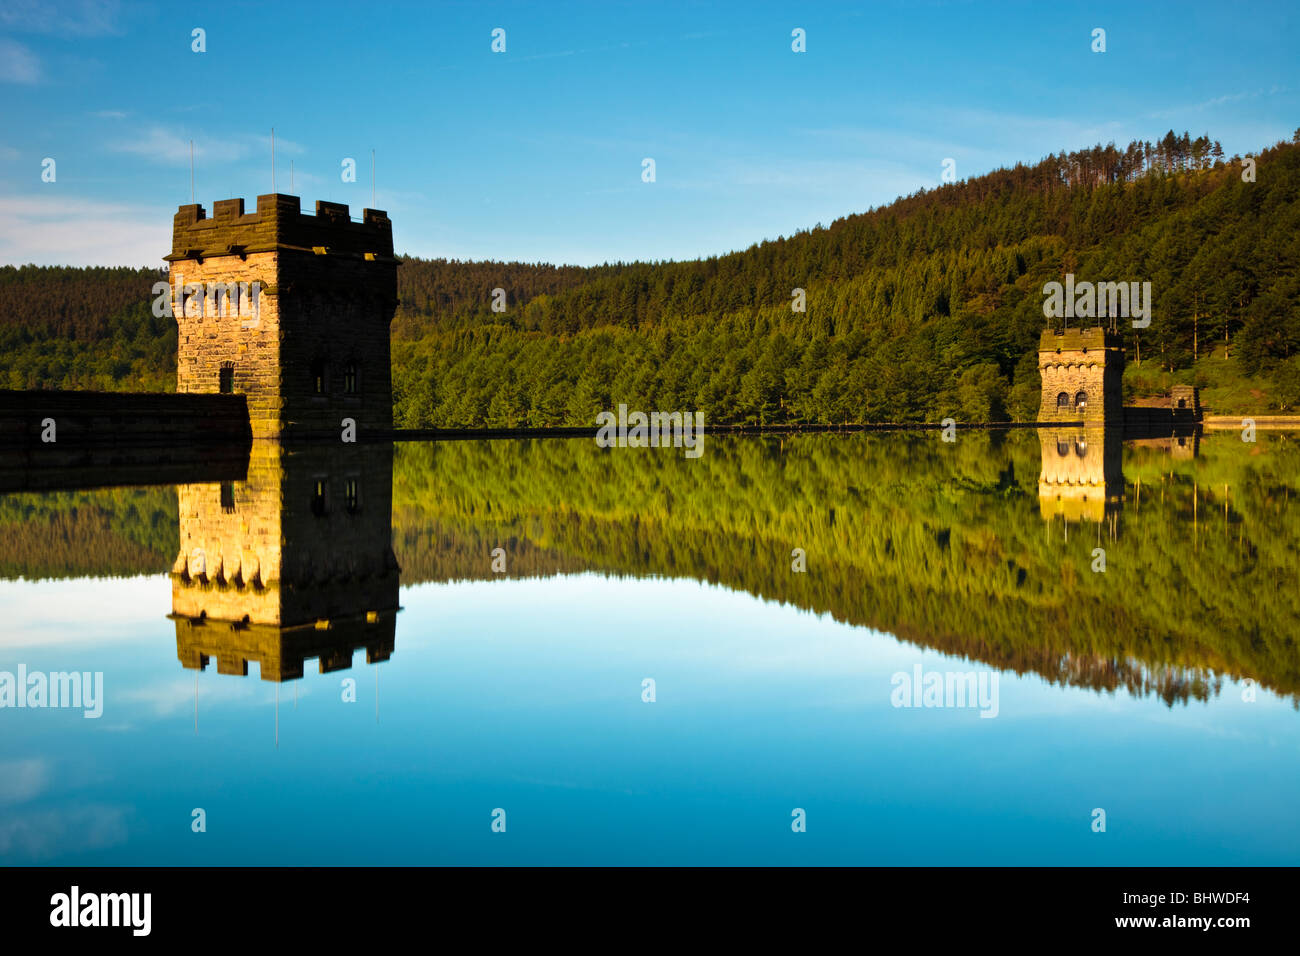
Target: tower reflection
point(293, 563)
point(1082, 477)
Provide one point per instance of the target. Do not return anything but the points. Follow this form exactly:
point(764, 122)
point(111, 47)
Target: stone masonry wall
point(210, 335)
point(1081, 360)
point(104, 420)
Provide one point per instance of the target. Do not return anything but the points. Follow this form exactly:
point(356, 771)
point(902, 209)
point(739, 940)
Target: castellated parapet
point(311, 346)
point(1082, 373)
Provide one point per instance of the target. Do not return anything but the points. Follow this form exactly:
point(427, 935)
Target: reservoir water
point(1020, 647)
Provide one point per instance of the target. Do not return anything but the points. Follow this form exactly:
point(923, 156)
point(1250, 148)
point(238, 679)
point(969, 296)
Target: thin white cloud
point(81, 232)
point(52, 614)
point(18, 64)
point(1215, 101)
point(1016, 128)
point(562, 53)
point(821, 176)
point(21, 780)
point(82, 18)
point(174, 695)
point(545, 56)
point(262, 143)
point(109, 114)
point(301, 178)
point(42, 834)
point(162, 145)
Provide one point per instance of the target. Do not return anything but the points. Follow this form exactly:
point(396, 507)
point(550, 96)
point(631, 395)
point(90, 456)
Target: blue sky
point(536, 153)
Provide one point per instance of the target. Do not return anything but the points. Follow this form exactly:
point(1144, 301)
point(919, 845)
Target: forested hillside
point(925, 308)
point(63, 327)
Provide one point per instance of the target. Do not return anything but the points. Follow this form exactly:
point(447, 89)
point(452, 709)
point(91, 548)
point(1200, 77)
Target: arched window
point(226, 378)
point(318, 383)
point(1182, 403)
point(1081, 448)
point(1063, 448)
point(350, 378)
point(1081, 401)
point(1063, 400)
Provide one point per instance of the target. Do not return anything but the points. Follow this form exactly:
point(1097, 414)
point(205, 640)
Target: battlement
point(279, 225)
point(281, 652)
point(1096, 337)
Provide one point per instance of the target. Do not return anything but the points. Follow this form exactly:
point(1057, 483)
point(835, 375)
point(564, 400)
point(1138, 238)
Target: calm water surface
point(332, 660)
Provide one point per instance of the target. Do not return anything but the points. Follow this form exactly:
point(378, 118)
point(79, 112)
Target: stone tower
point(296, 561)
point(291, 310)
point(1082, 373)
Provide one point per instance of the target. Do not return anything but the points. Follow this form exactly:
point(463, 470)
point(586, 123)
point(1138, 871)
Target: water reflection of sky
point(526, 695)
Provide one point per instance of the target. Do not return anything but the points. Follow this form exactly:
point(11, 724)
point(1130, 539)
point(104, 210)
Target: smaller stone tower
point(290, 310)
point(1082, 372)
point(1185, 403)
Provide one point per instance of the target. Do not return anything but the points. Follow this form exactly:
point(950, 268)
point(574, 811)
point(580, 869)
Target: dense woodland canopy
point(93, 328)
point(928, 307)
